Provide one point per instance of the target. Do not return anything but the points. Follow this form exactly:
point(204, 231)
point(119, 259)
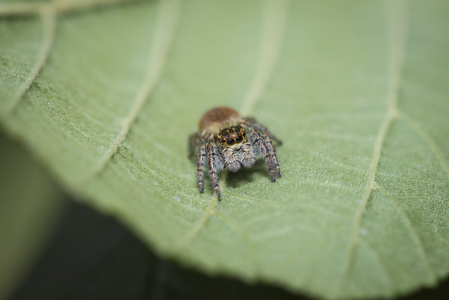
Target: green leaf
point(106, 96)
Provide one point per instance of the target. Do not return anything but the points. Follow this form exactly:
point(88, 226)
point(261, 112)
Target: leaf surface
point(106, 94)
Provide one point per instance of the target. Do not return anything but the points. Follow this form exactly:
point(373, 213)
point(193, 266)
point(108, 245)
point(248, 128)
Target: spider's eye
point(223, 141)
point(231, 142)
point(238, 139)
point(243, 134)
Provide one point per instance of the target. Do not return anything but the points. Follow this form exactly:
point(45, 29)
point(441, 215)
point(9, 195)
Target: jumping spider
point(227, 140)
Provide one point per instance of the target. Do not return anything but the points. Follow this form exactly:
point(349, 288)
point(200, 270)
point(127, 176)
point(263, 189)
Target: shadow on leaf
point(246, 175)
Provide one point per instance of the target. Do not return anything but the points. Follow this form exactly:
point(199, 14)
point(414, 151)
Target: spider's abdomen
point(216, 116)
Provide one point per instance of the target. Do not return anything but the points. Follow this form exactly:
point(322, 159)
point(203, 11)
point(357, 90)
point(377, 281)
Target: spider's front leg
point(200, 167)
point(269, 143)
point(213, 167)
point(258, 139)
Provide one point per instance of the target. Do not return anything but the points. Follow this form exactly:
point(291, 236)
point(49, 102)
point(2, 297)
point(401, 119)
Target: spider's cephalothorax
point(226, 140)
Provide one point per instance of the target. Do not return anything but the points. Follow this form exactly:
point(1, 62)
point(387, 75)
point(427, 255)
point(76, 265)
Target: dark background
point(92, 256)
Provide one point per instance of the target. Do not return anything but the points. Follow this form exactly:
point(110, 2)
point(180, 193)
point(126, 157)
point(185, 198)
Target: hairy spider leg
point(200, 166)
point(259, 141)
point(211, 151)
point(272, 151)
point(253, 123)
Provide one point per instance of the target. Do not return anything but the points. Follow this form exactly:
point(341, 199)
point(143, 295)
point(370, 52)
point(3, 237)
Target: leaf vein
point(165, 27)
point(200, 225)
point(48, 20)
point(60, 6)
point(273, 31)
point(274, 25)
point(379, 262)
point(421, 132)
point(245, 237)
point(397, 26)
point(412, 231)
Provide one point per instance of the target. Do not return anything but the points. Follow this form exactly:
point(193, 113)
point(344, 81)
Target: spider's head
point(232, 136)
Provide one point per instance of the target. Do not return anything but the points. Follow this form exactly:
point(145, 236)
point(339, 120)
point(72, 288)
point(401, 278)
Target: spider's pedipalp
point(259, 141)
point(248, 158)
point(200, 166)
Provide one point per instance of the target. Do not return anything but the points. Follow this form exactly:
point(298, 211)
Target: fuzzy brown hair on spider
point(226, 140)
